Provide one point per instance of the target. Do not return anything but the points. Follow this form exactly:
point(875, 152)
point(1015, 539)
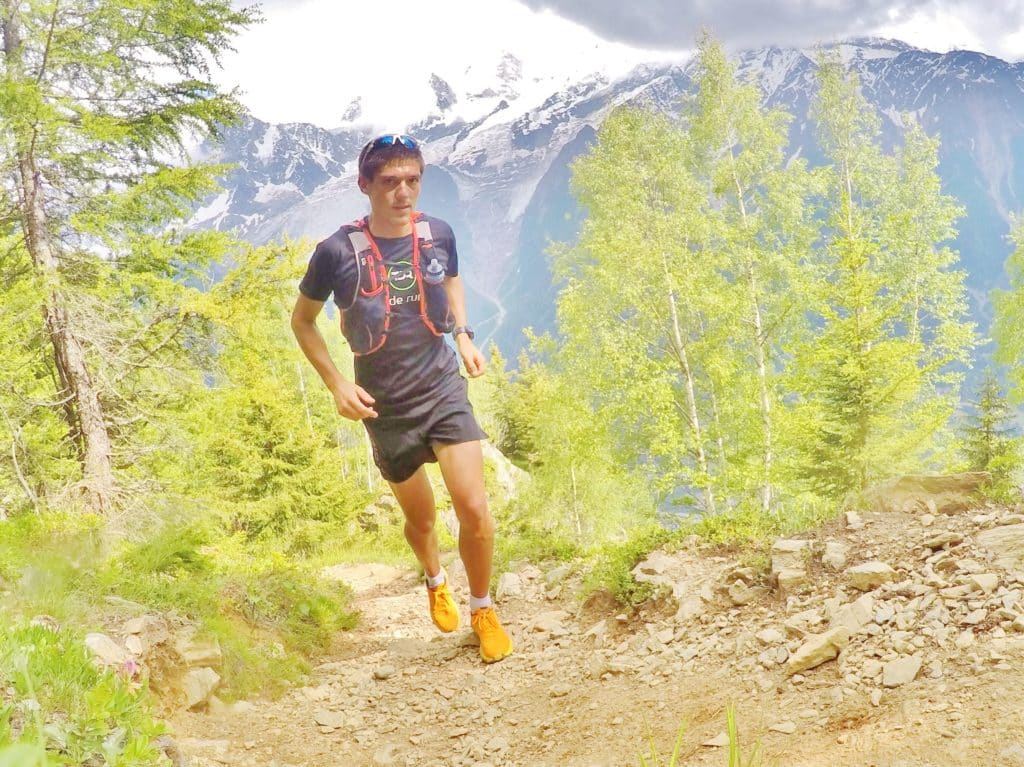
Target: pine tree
point(95, 95)
point(1009, 314)
point(991, 440)
point(880, 379)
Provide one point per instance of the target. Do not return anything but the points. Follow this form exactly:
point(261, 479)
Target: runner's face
point(393, 191)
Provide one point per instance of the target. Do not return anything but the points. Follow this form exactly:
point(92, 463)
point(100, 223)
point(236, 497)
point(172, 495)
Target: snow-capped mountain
point(499, 148)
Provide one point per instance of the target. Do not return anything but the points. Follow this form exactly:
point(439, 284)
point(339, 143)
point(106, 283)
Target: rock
point(657, 563)
point(384, 672)
point(741, 594)
point(689, 608)
point(786, 728)
point(974, 617)
point(509, 585)
point(331, 719)
point(788, 554)
point(770, 636)
point(508, 476)
point(853, 521)
point(196, 653)
point(561, 572)
point(47, 622)
point(901, 671)
point(942, 540)
point(870, 575)
point(855, 615)
point(792, 579)
point(720, 740)
point(198, 684)
point(1012, 755)
point(599, 630)
point(387, 755)
point(1006, 543)
point(105, 651)
point(552, 622)
point(925, 493)
point(835, 555)
point(817, 649)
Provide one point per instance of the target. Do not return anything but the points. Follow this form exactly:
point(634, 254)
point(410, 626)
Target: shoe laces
point(486, 620)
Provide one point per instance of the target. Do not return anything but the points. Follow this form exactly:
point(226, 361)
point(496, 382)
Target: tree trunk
point(759, 346)
point(691, 396)
point(84, 412)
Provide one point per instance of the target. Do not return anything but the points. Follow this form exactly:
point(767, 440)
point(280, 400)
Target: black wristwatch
point(463, 329)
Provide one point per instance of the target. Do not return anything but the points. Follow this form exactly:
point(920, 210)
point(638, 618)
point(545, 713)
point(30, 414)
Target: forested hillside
point(745, 344)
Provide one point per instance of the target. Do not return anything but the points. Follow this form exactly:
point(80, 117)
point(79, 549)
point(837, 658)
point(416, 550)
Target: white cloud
point(310, 59)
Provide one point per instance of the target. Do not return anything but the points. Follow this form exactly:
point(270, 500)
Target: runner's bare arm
point(472, 357)
point(352, 401)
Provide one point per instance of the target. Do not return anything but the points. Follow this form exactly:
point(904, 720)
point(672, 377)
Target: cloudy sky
point(310, 58)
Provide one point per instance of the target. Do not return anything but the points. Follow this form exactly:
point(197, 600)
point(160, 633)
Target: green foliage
point(991, 440)
point(736, 757)
point(1009, 314)
point(580, 492)
point(97, 99)
point(879, 380)
point(61, 710)
point(611, 566)
point(269, 613)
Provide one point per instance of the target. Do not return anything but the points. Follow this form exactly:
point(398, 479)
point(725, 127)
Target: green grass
point(59, 709)
point(736, 756)
point(270, 612)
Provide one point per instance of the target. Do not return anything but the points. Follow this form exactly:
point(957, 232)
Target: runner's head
point(384, 150)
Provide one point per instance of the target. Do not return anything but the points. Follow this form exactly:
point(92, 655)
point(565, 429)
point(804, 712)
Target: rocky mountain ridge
point(502, 178)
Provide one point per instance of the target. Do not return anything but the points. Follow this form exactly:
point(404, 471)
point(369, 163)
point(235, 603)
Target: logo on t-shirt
point(402, 279)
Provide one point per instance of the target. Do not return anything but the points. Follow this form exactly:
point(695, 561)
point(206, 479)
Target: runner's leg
point(416, 498)
point(462, 466)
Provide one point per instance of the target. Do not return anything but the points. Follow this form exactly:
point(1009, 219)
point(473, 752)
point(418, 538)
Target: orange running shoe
point(494, 642)
point(443, 610)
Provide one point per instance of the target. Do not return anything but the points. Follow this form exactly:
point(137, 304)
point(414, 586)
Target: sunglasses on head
point(394, 138)
point(388, 139)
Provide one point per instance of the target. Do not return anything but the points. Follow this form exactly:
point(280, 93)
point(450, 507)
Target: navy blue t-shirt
point(414, 366)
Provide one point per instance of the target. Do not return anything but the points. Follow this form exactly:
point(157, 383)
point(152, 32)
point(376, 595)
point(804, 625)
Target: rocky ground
point(894, 636)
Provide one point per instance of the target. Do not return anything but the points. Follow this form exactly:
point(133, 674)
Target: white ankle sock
point(437, 580)
point(478, 603)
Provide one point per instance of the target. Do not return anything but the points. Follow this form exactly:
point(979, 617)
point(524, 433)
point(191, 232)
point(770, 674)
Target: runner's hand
point(353, 401)
point(472, 357)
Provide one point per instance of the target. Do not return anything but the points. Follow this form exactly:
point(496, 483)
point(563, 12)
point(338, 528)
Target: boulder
point(105, 651)
point(1006, 543)
point(788, 555)
point(835, 555)
point(923, 493)
point(817, 649)
point(509, 585)
point(870, 575)
point(198, 685)
point(856, 615)
point(901, 671)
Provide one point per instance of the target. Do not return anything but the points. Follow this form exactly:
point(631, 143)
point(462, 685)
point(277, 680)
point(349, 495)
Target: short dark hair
point(380, 151)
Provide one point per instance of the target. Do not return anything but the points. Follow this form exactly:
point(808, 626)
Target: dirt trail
point(583, 685)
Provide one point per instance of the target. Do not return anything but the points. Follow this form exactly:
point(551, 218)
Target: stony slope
point(924, 609)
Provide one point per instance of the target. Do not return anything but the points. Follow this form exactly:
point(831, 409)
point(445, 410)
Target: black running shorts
point(402, 443)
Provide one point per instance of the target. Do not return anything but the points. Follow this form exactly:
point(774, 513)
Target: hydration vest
point(366, 320)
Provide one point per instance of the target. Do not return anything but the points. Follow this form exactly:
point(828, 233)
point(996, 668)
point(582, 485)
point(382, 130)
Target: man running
point(395, 279)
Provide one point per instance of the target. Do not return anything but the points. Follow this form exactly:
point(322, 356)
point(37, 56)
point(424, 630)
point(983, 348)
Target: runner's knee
point(475, 518)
